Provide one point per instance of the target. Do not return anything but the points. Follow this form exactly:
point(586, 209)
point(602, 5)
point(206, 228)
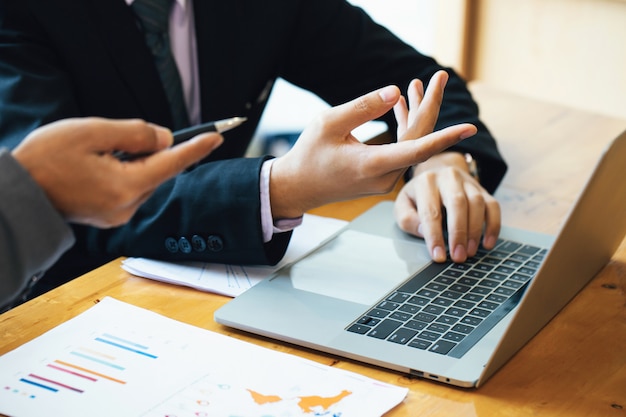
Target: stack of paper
point(232, 280)
point(116, 359)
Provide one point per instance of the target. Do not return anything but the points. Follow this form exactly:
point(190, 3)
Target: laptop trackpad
point(358, 267)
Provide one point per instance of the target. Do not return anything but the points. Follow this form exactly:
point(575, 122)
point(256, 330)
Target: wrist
point(442, 160)
point(283, 194)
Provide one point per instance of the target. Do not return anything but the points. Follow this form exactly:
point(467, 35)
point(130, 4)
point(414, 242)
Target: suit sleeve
point(339, 52)
point(210, 213)
point(33, 235)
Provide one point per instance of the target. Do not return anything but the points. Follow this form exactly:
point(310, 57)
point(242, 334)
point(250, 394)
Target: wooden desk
point(576, 366)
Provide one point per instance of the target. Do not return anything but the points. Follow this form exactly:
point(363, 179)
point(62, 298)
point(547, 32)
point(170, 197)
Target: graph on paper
point(102, 359)
point(118, 359)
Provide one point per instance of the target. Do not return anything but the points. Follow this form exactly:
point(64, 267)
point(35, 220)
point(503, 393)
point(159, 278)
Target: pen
point(182, 135)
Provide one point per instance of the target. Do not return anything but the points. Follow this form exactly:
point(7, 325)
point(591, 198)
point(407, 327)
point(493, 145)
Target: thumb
point(169, 162)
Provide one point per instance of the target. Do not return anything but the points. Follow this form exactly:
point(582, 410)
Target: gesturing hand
point(329, 164)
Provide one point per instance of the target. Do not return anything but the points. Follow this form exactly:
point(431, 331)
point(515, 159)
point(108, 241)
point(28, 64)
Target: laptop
point(371, 293)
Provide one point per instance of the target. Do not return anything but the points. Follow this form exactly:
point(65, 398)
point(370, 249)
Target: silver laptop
point(372, 294)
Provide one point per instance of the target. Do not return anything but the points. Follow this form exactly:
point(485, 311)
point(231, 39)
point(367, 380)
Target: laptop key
point(458, 267)
point(400, 316)
point(442, 347)
point(368, 321)
point(444, 280)
point(473, 321)
point(402, 336)
point(433, 309)
point(451, 294)
point(384, 329)
point(489, 283)
point(480, 312)
point(509, 246)
point(428, 293)
point(358, 328)
point(409, 308)
point(428, 335)
point(504, 291)
point(473, 297)
point(520, 277)
point(462, 328)
point(447, 319)
point(481, 290)
point(377, 312)
point(435, 286)
point(528, 271)
point(418, 301)
point(423, 277)
point(512, 284)
point(528, 250)
point(495, 298)
point(455, 337)
point(425, 317)
point(497, 276)
point(488, 305)
point(460, 288)
point(439, 328)
point(440, 301)
point(398, 297)
point(464, 304)
point(456, 312)
point(420, 344)
point(414, 324)
point(388, 305)
point(474, 273)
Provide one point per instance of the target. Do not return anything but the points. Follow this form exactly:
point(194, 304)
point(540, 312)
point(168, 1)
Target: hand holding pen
point(183, 135)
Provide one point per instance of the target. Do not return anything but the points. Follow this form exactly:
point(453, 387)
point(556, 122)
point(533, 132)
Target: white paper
point(233, 280)
point(116, 359)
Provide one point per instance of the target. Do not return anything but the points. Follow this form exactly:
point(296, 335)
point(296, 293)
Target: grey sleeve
point(32, 233)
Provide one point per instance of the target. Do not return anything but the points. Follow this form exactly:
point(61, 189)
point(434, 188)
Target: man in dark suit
point(63, 58)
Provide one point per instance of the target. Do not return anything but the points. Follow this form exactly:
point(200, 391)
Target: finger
point(405, 210)
point(425, 106)
point(401, 113)
point(493, 222)
point(415, 93)
point(455, 201)
point(132, 136)
point(346, 117)
point(476, 217)
point(430, 209)
point(167, 163)
point(400, 155)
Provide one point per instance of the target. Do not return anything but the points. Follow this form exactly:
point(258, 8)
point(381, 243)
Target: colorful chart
point(118, 359)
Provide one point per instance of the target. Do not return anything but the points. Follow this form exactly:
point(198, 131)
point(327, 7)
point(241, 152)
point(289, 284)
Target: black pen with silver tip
point(182, 135)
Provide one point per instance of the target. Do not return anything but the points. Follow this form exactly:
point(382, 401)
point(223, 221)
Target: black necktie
point(154, 18)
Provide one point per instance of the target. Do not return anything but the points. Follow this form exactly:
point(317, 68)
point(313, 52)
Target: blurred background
point(570, 52)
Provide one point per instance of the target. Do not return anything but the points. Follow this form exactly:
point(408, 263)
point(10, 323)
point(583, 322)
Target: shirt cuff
point(267, 222)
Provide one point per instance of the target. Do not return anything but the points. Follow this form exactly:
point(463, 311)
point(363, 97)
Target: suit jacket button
point(215, 243)
point(198, 243)
point(184, 245)
point(171, 245)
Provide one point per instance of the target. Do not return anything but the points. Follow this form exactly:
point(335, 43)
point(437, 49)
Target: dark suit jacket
point(63, 58)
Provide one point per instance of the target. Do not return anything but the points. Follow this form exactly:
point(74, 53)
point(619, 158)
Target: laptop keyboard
point(447, 307)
